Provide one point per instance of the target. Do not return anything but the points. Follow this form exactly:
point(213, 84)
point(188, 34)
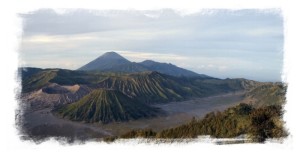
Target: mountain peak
point(105, 62)
point(148, 61)
point(112, 54)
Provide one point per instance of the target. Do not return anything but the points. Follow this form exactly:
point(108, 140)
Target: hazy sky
point(219, 43)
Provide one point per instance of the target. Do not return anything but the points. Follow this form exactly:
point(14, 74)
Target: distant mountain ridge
point(147, 87)
point(127, 96)
point(113, 62)
point(169, 69)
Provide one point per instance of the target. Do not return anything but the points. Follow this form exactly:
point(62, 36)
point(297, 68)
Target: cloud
point(48, 63)
point(56, 39)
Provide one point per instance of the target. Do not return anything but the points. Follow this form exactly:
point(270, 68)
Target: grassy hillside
point(106, 106)
point(38, 80)
point(267, 94)
point(34, 79)
point(153, 87)
point(221, 86)
point(259, 124)
point(150, 87)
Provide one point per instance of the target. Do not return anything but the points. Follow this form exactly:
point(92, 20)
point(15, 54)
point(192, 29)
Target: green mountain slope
point(153, 87)
point(223, 85)
point(34, 79)
point(266, 94)
point(107, 106)
point(37, 80)
point(150, 87)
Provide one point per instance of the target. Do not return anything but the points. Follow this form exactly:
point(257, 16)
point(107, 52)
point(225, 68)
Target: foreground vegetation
point(257, 123)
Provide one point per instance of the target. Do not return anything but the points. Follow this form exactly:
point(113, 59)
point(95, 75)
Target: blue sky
point(220, 43)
